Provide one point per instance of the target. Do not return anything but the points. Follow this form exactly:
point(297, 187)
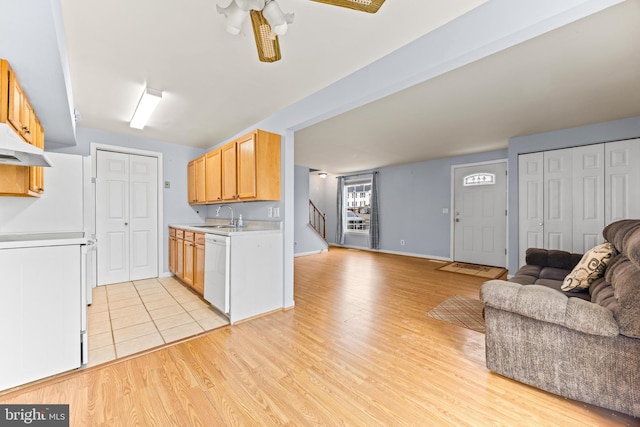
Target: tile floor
point(129, 317)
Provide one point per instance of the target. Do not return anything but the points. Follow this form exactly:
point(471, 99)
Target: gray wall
point(573, 137)
point(412, 197)
point(306, 240)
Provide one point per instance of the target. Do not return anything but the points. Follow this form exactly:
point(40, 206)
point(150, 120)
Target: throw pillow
point(591, 267)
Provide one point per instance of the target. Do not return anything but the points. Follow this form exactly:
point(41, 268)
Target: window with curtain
point(357, 206)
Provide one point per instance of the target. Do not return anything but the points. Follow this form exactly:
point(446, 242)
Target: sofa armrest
point(548, 305)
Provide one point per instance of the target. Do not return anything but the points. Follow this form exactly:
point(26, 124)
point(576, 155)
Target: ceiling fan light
point(247, 5)
point(277, 19)
point(268, 46)
point(370, 6)
point(235, 17)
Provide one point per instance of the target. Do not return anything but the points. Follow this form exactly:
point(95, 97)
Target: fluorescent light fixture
point(148, 102)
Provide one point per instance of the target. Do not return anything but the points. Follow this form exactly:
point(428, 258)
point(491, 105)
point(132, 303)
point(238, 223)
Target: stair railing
point(317, 220)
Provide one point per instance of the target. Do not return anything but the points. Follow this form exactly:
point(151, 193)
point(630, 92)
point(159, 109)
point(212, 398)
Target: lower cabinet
point(186, 257)
point(187, 276)
point(198, 263)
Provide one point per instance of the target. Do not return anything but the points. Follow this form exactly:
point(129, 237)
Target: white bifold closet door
point(567, 196)
point(126, 217)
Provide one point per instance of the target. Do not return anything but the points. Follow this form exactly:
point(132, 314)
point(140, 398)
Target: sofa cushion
point(551, 258)
point(625, 281)
point(551, 273)
point(591, 267)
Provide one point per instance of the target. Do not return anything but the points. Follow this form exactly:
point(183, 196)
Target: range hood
point(14, 151)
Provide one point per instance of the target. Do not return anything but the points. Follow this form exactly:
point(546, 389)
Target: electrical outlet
point(276, 212)
point(270, 212)
point(401, 242)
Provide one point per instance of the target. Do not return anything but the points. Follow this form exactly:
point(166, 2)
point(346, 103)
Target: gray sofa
point(588, 348)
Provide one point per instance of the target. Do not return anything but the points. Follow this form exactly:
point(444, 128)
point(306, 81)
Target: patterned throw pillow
point(590, 267)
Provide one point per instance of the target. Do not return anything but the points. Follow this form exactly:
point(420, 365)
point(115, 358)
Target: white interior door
point(126, 217)
point(480, 221)
point(622, 180)
point(143, 224)
point(558, 204)
point(588, 197)
point(530, 203)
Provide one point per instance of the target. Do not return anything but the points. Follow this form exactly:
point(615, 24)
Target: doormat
point(474, 270)
point(461, 311)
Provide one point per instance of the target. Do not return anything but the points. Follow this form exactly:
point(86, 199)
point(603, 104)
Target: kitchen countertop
point(210, 227)
point(30, 240)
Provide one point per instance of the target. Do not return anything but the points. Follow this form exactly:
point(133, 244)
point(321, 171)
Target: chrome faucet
point(230, 208)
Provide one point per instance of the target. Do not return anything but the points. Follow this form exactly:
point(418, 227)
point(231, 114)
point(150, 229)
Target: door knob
point(457, 219)
point(126, 223)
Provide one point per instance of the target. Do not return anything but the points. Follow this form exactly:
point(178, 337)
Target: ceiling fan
point(268, 21)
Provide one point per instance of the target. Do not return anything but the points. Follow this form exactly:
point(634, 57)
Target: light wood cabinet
point(36, 173)
point(196, 181)
point(17, 112)
point(187, 276)
point(242, 170)
point(191, 182)
point(20, 114)
point(198, 263)
point(173, 249)
point(186, 257)
point(257, 167)
point(213, 176)
point(179, 254)
point(228, 172)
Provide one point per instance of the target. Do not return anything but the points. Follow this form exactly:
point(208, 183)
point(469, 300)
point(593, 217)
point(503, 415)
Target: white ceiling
point(582, 73)
point(214, 86)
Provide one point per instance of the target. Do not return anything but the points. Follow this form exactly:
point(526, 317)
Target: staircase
point(317, 220)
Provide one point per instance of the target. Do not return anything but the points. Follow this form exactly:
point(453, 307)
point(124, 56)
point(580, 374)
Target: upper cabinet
point(213, 176)
point(196, 180)
point(242, 170)
point(17, 112)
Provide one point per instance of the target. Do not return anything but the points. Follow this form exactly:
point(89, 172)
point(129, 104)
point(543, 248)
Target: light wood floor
point(358, 349)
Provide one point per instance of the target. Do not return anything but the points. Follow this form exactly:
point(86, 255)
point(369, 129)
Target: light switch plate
point(167, 184)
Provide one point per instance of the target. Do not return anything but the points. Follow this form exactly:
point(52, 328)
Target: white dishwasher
point(217, 251)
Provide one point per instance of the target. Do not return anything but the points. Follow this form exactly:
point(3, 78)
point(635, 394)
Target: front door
point(126, 217)
point(479, 214)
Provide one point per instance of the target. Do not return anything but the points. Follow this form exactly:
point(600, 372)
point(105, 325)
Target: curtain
point(374, 224)
point(340, 204)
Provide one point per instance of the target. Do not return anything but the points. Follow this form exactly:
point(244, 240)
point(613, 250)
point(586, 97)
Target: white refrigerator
point(46, 242)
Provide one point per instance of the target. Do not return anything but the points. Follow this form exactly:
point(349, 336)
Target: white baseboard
point(310, 253)
point(409, 254)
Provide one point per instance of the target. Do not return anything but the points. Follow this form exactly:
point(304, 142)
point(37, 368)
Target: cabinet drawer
point(172, 232)
point(180, 234)
point(188, 235)
point(199, 238)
